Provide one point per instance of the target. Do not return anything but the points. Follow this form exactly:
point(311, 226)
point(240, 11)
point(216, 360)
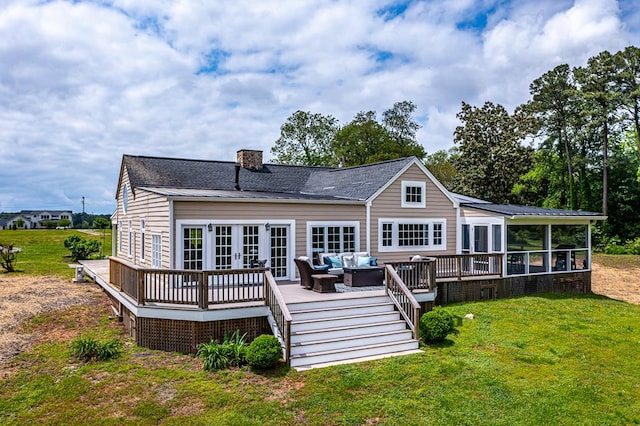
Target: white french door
point(236, 246)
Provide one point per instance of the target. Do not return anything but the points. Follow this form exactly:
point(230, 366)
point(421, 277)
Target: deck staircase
point(347, 330)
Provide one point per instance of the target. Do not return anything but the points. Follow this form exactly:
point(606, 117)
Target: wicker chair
point(305, 270)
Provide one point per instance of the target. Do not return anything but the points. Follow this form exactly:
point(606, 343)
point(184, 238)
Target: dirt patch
point(616, 283)
point(23, 297)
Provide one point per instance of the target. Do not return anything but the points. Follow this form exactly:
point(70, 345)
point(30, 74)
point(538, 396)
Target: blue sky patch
point(393, 10)
point(212, 62)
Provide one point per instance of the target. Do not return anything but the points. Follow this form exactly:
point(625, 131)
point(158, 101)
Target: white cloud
point(84, 82)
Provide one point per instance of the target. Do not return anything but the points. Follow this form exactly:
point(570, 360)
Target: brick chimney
point(250, 159)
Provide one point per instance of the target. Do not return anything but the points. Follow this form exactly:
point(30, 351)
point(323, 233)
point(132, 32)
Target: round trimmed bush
point(436, 325)
point(264, 352)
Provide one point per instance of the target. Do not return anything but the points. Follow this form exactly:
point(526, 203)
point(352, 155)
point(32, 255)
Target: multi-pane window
point(192, 248)
point(413, 234)
point(156, 251)
point(387, 235)
point(332, 239)
point(279, 258)
point(413, 194)
point(437, 234)
point(403, 234)
point(250, 245)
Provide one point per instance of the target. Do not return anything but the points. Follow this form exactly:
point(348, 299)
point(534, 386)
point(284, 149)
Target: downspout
point(368, 224)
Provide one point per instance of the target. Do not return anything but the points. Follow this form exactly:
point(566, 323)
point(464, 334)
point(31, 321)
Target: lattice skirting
point(185, 336)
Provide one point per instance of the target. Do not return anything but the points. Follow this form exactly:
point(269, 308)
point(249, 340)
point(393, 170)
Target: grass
point(532, 360)
point(549, 359)
point(43, 251)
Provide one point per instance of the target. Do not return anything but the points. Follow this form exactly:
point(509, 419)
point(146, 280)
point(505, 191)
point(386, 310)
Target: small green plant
point(81, 248)
point(8, 257)
point(88, 349)
point(264, 352)
point(436, 325)
point(230, 353)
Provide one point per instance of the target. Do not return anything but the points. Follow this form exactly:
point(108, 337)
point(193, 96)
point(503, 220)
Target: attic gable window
point(125, 198)
point(414, 194)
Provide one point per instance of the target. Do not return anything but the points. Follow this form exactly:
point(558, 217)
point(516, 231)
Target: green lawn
point(43, 251)
point(544, 360)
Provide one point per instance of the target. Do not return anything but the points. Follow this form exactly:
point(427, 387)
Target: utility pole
point(82, 224)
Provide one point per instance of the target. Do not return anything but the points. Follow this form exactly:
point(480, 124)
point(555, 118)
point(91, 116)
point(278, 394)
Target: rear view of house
point(211, 224)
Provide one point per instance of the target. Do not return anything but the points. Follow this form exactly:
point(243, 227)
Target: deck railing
point(402, 297)
point(185, 287)
point(417, 274)
point(468, 265)
point(280, 312)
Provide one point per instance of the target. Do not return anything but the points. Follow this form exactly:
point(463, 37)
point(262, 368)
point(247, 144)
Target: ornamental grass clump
point(436, 325)
point(88, 349)
point(229, 353)
point(264, 352)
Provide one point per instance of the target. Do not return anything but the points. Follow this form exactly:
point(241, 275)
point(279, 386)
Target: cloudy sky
point(83, 82)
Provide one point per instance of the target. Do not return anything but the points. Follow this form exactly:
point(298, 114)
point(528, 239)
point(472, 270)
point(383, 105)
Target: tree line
point(575, 144)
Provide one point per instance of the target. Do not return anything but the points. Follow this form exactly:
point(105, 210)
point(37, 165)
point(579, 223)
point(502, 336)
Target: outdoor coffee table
point(324, 283)
point(365, 276)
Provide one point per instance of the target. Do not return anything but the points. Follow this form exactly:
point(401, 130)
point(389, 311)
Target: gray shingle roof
point(517, 210)
point(353, 183)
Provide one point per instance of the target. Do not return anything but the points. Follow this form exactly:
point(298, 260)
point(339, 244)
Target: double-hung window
point(412, 234)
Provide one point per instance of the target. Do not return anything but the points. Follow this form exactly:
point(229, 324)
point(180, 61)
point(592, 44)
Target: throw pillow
point(363, 261)
point(349, 261)
point(335, 261)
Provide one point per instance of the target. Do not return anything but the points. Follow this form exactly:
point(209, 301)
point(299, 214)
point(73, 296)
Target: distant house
point(36, 219)
point(191, 237)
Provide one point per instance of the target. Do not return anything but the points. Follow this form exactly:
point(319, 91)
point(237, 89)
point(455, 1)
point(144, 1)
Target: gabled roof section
point(326, 183)
point(355, 183)
point(515, 211)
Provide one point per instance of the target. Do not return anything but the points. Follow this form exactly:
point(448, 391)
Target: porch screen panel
point(250, 244)
point(481, 239)
point(192, 248)
point(224, 248)
point(278, 262)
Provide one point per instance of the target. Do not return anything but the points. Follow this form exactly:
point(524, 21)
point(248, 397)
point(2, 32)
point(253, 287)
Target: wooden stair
point(347, 330)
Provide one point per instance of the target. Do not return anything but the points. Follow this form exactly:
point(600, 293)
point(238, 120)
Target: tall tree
point(492, 157)
point(305, 139)
point(442, 165)
point(599, 89)
point(361, 141)
point(554, 104)
point(402, 128)
point(628, 64)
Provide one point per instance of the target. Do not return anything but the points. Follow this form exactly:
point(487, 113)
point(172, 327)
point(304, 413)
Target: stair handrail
point(281, 315)
point(404, 300)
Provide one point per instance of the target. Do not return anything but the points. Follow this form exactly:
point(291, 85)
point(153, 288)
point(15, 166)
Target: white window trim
point(397, 248)
point(119, 241)
point(423, 188)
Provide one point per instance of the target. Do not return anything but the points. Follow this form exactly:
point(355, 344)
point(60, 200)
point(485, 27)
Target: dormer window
point(413, 194)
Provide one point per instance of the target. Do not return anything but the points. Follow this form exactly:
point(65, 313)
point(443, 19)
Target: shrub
point(264, 352)
point(613, 246)
point(8, 257)
point(230, 353)
point(436, 325)
point(633, 246)
point(89, 349)
point(81, 248)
